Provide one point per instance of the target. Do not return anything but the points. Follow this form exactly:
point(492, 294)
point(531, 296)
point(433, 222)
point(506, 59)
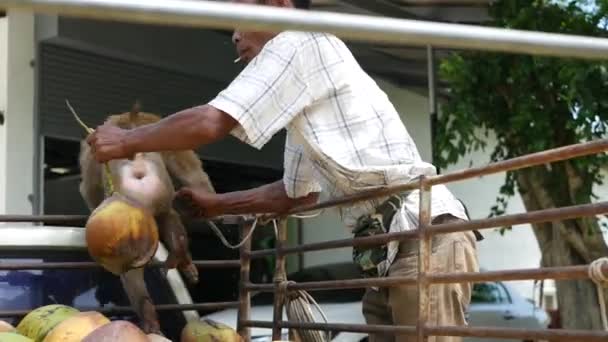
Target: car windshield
point(83, 288)
point(79, 288)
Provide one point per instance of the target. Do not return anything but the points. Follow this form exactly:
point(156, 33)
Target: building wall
point(17, 102)
point(3, 87)
point(205, 53)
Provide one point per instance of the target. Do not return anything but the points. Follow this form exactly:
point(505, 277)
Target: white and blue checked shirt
point(343, 133)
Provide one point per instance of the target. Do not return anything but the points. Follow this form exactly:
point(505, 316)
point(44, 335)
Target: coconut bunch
point(61, 323)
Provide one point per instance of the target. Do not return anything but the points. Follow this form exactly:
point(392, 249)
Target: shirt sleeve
point(267, 94)
point(298, 176)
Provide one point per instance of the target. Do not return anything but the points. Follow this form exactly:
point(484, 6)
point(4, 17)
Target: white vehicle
point(493, 304)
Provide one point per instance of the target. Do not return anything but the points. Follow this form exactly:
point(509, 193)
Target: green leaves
point(528, 103)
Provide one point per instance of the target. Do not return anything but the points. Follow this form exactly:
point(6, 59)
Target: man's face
point(249, 43)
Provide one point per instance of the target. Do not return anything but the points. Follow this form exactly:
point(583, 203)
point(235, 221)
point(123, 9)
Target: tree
point(529, 104)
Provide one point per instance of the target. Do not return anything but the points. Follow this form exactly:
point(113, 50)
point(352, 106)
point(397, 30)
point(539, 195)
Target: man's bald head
point(250, 43)
point(301, 4)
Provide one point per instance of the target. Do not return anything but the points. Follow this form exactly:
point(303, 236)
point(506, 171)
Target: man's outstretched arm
point(270, 198)
point(184, 130)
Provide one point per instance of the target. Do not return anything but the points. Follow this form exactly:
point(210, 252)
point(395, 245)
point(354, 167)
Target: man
point(343, 136)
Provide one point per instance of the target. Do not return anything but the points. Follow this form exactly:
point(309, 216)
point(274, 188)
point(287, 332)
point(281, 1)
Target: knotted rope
point(223, 239)
point(601, 281)
point(298, 308)
point(109, 185)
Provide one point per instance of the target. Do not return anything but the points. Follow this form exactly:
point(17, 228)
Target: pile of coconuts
point(61, 323)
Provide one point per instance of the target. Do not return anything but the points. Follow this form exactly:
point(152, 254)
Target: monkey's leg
point(175, 238)
point(135, 286)
point(187, 168)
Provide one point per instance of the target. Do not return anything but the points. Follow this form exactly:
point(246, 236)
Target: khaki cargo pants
point(449, 303)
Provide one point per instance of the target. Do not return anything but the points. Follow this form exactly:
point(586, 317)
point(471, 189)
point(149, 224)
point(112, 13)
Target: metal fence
point(225, 15)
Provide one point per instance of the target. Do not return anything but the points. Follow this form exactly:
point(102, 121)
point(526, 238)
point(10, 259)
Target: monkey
point(149, 179)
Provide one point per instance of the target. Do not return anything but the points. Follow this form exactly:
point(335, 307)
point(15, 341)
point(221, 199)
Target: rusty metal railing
point(425, 279)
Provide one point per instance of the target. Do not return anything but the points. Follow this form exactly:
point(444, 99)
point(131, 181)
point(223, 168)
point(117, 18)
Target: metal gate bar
point(209, 14)
point(11, 266)
point(122, 309)
point(510, 333)
point(537, 216)
point(66, 219)
point(533, 159)
point(556, 273)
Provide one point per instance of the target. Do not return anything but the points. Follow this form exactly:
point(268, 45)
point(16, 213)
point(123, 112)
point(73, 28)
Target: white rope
point(305, 216)
point(225, 242)
point(601, 281)
point(298, 308)
point(298, 303)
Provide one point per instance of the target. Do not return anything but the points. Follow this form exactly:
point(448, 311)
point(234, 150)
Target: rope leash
point(298, 307)
point(223, 239)
point(109, 186)
point(601, 281)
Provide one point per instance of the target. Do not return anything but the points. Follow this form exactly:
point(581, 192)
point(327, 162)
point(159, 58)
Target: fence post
point(279, 277)
point(244, 294)
point(424, 259)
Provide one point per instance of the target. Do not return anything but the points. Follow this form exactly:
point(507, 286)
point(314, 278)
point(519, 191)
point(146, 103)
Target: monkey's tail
point(135, 110)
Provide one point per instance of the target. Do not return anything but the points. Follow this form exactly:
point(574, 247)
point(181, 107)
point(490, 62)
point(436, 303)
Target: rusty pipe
point(510, 333)
point(539, 158)
point(122, 309)
point(557, 273)
point(537, 216)
point(12, 266)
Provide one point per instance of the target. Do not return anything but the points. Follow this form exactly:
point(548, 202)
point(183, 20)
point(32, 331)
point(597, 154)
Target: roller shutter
point(97, 84)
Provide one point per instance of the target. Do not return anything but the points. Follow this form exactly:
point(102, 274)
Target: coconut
point(13, 337)
point(117, 331)
point(38, 323)
point(157, 338)
point(121, 234)
point(5, 327)
point(209, 331)
point(75, 328)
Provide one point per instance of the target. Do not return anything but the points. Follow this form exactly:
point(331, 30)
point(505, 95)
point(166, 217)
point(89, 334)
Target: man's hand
point(199, 202)
point(109, 142)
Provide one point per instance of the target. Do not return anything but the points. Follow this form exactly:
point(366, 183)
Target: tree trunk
point(565, 243)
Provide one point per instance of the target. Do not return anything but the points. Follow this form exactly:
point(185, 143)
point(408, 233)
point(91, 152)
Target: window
point(489, 293)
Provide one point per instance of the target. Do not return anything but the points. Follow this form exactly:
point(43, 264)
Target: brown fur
point(182, 166)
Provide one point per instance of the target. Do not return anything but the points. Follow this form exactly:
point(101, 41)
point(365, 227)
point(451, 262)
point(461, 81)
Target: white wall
point(3, 87)
point(17, 101)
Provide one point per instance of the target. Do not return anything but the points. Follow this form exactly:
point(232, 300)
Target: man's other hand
point(109, 142)
point(199, 202)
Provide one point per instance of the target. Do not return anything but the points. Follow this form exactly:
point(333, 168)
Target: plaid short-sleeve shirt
point(343, 133)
